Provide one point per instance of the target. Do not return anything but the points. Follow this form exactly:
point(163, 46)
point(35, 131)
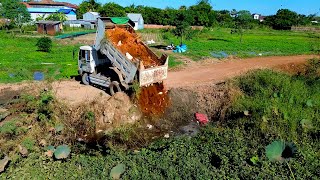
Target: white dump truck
point(104, 65)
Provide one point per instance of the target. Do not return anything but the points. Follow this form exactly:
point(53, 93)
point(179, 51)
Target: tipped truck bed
point(128, 68)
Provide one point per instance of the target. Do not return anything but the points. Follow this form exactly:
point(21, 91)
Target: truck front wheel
point(85, 79)
point(114, 87)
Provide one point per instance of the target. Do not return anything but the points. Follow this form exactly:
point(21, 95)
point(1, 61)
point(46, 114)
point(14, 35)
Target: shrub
point(44, 44)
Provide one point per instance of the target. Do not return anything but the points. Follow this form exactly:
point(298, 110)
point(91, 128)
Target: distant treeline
point(201, 14)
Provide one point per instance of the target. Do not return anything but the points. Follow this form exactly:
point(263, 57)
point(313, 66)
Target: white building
point(137, 19)
point(258, 17)
point(91, 16)
point(45, 12)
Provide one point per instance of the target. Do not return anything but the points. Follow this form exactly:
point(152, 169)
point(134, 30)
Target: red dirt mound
point(128, 42)
point(153, 100)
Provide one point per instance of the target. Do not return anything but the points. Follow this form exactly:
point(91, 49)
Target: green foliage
point(117, 171)
point(87, 6)
point(29, 143)
point(313, 68)
point(9, 128)
point(62, 152)
point(278, 102)
point(44, 106)
point(254, 159)
point(202, 13)
point(90, 116)
point(285, 19)
point(182, 25)
point(16, 12)
point(44, 44)
point(57, 17)
point(265, 41)
point(242, 21)
point(112, 10)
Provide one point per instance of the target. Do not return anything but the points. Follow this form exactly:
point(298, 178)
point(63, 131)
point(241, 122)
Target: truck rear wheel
point(85, 79)
point(114, 87)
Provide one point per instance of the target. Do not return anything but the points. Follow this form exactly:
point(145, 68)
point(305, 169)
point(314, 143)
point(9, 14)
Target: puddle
point(219, 55)
point(38, 76)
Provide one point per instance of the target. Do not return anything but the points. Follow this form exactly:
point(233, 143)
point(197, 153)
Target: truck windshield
point(84, 55)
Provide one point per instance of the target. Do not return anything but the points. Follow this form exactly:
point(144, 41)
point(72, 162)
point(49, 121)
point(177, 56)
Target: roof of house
point(66, 11)
point(94, 13)
point(48, 22)
point(50, 2)
point(134, 16)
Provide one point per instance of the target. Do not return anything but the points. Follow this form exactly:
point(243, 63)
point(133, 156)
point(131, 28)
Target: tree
point(57, 17)
point(112, 10)
point(44, 44)
point(224, 19)
point(200, 13)
point(182, 24)
point(284, 19)
point(131, 9)
point(16, 12)
point(243, 19)
point(86, 6)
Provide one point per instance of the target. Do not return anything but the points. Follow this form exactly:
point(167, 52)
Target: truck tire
point(114, 87)
point(85, 79)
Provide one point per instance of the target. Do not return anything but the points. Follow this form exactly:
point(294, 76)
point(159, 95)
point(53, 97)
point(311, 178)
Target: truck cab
point(86, 62)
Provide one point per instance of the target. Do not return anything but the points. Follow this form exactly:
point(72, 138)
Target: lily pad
point(280, 151)
point(117, 171)
point(62, 152)
point(274, 151)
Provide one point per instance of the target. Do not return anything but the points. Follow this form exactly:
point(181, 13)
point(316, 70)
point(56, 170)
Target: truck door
point(85, 61)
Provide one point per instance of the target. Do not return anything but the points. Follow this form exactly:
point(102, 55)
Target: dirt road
point(196, 75)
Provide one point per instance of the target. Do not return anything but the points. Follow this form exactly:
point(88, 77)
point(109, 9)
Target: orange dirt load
point(128, 42)
point(153, 100)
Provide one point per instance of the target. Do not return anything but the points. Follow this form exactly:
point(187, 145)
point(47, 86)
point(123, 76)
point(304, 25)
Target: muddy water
point(153, 100)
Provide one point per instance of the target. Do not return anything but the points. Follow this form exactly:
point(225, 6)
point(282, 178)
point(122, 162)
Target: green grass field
point(255, 42)
point(20, 59)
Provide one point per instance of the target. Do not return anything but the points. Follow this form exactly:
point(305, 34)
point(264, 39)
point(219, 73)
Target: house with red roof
point(44, 8)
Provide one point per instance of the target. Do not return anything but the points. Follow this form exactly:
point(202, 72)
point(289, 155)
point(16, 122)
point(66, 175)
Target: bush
point(44, 44)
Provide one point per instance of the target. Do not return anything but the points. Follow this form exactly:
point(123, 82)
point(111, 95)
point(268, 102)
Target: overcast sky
point(265, 7)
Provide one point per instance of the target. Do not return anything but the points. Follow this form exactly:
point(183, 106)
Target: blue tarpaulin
point(180, 49)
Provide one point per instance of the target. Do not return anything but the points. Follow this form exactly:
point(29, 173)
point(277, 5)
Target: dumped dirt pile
point(128, 42)
point(153, 100)
point(107, 113)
